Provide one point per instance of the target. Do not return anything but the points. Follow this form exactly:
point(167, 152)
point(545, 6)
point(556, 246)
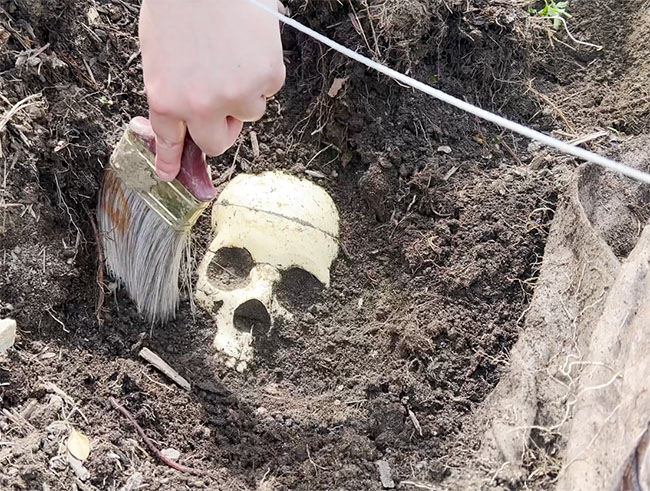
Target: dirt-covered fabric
point(579, 376)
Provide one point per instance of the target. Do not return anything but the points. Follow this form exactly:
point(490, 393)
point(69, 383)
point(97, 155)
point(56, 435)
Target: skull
point(283, 222)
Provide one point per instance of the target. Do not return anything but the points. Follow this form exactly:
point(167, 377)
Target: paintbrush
point(145, 223)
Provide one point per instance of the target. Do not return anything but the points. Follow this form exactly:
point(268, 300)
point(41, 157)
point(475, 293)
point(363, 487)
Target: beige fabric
point(579, 375)
point(612, 409)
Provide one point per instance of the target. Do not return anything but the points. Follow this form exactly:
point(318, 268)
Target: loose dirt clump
point(444, 224)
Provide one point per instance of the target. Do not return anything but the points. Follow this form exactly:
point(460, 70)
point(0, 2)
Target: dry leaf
point(78, 445)
point(336, 87)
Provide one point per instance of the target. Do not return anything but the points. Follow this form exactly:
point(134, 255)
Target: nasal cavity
point(252, 317)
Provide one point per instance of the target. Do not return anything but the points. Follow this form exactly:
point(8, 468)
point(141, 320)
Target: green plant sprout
point(554, 11)
point(557, 11)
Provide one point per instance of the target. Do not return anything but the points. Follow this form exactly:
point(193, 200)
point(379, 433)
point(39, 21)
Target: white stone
point(171, 453)
point(7, 334)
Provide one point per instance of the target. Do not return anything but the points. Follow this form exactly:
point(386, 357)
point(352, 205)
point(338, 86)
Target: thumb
point(170, 137)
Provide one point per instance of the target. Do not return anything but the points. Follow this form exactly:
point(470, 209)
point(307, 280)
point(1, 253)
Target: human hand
point(208, 65)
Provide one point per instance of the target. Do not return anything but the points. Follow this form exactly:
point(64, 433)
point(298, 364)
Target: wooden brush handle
point(195, 172)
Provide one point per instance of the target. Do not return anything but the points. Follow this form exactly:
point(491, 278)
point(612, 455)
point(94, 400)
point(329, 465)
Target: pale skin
point(209, 66)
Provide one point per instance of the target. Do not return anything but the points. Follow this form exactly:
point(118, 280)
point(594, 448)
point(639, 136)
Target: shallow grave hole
point(230, 267)
point(253, 317)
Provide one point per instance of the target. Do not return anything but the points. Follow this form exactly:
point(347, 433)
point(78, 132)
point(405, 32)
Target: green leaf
point(553, 9)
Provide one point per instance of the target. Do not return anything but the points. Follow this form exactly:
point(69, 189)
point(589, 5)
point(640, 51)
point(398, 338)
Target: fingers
point(214, 123)
point(170, 137)
point(251, 110)
point(215, 135)
point(213, 131)
point(245, 105)
point(276, 79)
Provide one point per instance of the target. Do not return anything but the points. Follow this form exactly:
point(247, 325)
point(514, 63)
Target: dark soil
point(444, 221)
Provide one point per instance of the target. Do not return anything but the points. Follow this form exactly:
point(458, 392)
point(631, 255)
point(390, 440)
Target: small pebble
point(534, 147)
point(385, 475)
point(171, 453)
point(7, 334)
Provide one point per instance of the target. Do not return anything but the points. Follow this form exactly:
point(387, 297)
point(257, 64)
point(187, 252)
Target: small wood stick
point(162, 365)
point(512, 153)
point(415, 422)
point(149, 443)
point(100, 271)
point(255, 144)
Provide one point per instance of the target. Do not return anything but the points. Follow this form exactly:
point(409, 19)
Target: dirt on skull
point(444, 221)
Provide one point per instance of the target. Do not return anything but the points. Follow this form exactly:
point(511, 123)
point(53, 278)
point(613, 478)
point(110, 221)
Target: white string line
point(465, 106)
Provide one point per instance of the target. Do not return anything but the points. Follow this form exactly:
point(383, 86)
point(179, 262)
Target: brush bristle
point(143, 253)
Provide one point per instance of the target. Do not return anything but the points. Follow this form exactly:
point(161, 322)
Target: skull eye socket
point(230, 267)
point(300, 288)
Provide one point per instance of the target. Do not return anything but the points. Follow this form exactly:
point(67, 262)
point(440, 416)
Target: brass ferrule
point(134, 165)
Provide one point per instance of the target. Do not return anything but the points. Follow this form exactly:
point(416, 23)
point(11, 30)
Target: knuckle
point(159, 101)
point(259, 110)
point(210, 146)
point(223, 142)
point(231, 94)
point(201, 104)
point(169, 146)
point(258, 115)
point(214, 150)
point(276, 78)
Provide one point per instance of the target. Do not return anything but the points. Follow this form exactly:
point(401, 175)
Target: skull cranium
point(283, 222)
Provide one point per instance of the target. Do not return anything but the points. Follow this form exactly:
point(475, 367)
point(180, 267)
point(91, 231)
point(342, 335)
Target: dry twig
point(512, 153)
point(164, 367)
point(168, 462)
point(30, 100)
point(100, 271)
